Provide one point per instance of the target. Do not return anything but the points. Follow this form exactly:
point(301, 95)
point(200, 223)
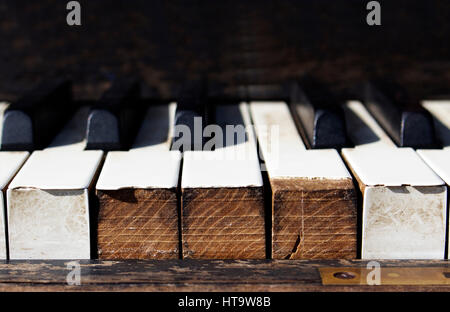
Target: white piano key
point(404, 201)
point(10, 163)
point(390, 167)
point(305, 183)
point(48, 205)
point(222, 193)
point(150, 172)
point(139, 169)
point(283, 150)
point(150, 163)
point(236, 165)
point(439, 161)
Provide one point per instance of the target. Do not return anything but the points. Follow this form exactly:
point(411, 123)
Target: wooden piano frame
point(220, 275)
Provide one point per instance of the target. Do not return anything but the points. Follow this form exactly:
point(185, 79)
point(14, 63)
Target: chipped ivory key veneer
point(10, 163)
point(48, 205)
point(313, 198)
point(404, 201)
point(137, 191)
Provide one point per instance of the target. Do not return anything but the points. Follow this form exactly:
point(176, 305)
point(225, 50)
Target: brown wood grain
point(223, 223)
point(138, 224)
point(314, 219)
point(196, 275)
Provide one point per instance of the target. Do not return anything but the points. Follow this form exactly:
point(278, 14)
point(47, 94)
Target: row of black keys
point(34, 120)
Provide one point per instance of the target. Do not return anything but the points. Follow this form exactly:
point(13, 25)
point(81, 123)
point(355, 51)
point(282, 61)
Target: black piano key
point(401, 116)
point(114, 121)
point(193, 113)
point(318, 114)
point(33, 121)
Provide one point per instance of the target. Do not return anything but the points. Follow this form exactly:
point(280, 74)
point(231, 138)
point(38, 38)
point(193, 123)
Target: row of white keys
point(313, 198)
point(48, 201)
point(404, 201)
point(147, 226)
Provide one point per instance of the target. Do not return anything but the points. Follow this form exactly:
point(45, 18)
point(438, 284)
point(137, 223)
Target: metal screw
point(344, 275)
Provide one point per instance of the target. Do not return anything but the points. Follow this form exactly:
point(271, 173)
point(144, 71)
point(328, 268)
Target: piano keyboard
point(311, 178)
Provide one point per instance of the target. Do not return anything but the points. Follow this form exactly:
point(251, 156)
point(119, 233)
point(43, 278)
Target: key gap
point(299, 126)
point(180, 210)
point(94, 210)
point(359, 208)
point(267, 196)
point(267, 193)
point(447, 224)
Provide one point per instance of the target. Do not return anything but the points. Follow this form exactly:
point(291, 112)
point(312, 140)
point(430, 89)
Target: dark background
point(245, 49)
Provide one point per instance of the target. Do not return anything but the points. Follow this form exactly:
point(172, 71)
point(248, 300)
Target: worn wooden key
point(137, 192)
point(222, 192)
point(313, 198)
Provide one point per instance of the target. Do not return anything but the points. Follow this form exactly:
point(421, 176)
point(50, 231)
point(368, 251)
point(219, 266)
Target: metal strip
point(385, 276)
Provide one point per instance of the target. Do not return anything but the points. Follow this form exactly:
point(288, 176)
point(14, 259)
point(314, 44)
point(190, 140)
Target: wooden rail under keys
point(225, 275)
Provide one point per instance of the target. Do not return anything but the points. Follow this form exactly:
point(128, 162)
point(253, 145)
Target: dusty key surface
point(404, 201)
point(48, 205)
